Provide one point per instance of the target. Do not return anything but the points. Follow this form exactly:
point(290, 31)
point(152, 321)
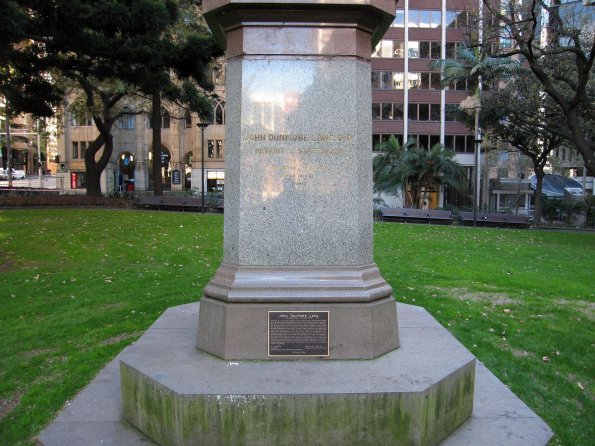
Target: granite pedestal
point(298, 188)
point(94, 417)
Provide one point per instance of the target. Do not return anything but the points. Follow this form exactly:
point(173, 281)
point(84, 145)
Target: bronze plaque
point(298, 333)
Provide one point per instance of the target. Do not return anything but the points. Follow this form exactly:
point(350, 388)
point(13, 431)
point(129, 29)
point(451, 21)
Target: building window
point(377, 139)
point(126, 121)
point(422, 112)
point(387, 111)
point(394, 49)
point(459, 143)
point(81, 118)
point(215, 181)
point(165, 120)
point(215, 149)
point(391, 80)
point(418, 18)
point(434, 112)
point(457, 19)
point(399, 21)
point(413, 49)
point(187, 119)
point(79, 148)
point(425, 141)
point(389, 49)
point(412, 111)
point(219, 113)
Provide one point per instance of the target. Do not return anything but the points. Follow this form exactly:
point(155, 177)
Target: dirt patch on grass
point(6, 405)
point(114, 305)
point(122, 337)
point(522, 353)
point(587, 309)
point(33, 353)
point(5, 265)
point(464, 294)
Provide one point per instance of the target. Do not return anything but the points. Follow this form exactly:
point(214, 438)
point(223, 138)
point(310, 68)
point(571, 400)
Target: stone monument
point(297, 332)
point(297, 278)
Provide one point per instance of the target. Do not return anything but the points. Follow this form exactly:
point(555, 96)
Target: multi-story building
point(408, 101)
point(28, 142)
point(188, 154)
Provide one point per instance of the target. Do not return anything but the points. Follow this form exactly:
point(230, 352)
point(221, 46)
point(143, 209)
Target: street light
point(202, 126)
point(477, 143)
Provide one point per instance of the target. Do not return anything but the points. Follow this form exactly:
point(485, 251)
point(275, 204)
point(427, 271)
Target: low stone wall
point(26, 198)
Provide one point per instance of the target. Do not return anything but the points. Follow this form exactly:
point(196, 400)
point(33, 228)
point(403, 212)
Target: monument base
point(360, 310)
point(239, 331)
point(94, 416)
point(178, 395)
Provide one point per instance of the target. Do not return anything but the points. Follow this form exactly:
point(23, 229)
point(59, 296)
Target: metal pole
point(475, 167)
point(202, 126)
point(8, 149)
point(202, 169)
point(39, 166)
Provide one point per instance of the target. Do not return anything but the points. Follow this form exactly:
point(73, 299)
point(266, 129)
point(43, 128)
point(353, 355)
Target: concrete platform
point(94, 416)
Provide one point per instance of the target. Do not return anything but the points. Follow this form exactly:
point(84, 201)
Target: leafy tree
point(100, 43)
point(416, 170)
point(178, 70)
point(520, 116)
point(560, 55)
point(21, 64)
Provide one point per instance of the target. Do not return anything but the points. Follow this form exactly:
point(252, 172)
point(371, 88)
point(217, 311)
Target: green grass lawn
point(77, 286)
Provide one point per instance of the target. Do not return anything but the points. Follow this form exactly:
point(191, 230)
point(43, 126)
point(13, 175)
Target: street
point(33, 181)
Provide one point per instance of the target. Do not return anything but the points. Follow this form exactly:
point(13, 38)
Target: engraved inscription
point(320, 137)
point(297, 161)
point(300, 151)
point(298, 333)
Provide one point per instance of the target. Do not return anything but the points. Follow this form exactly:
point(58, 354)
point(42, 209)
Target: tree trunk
point(156, 150)
point(414, 197)
point(103, 122)
point(582, 145)
point(539, 174)
point(93, 181)
point(94, 168)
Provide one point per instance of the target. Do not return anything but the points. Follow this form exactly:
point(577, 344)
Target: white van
point(16, 174)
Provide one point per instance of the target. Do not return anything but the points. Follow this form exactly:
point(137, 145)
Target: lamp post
point(202, 126)
point(477, 143)
point(39, 165)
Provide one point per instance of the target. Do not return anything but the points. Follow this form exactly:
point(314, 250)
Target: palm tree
point(416, 170)
point(386, 165)
point(427, 170)
point(475, 67)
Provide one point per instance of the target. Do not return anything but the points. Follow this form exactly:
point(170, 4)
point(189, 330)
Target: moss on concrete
point(415, 418)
